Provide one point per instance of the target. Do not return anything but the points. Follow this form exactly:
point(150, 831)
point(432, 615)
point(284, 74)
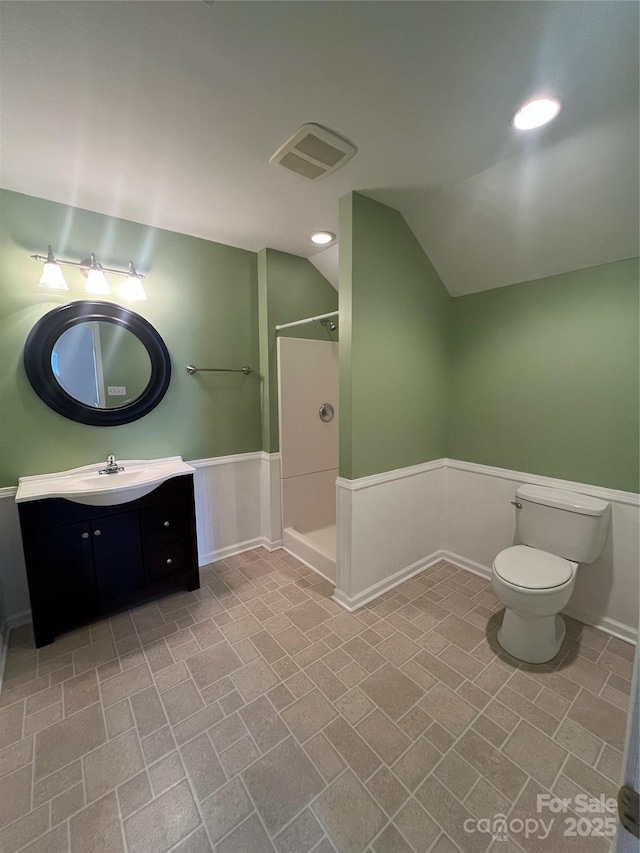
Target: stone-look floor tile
point(527, 710)
point(552, 703)
point(330, 685)
point(182, 701)
point(299, 684)
point(417, 761)
point(438, 670)
point(55, 841)
point(16, 756)
point(158, 744)
point(292, 640)
point(324, 757)
point(112, 764)
point(69, 739)
point(241, 754)
point(97, 828)
point(56, 783)
point(125, 684)
point(213, 664)
point(362, 760)
point(147, 711)
point(254, 679)
point(11, 724)
point(501, 715)
point(300, 835)
point(38, 701)
point(450, 814)
point(506, 776)
point(390, 841)
point(383, 736)
point(231, 702)
point(448, 709)
point(94, 654)
point(79, 692)
point(42, 719)
point(392, 691)
point(281, 697)
point(250, 835)
point(298, 783)
point(387, 790)
point(162, 823)
point(363, 654)
point(264, 723)
point(24, 830)
point(197, 723)
point(165, 773)
point(600, 718)
point(349, 814)
point(352, 674)
point(590, 780)
point(171, 676)
point(611, 763)
point(354, 705)
point(489, 730)
point(203, 767)
point(484, 801)
point(217, 690)
point(439, 737)
point(15, 795)
point(397, 649)
point(225, 809)
point(579, 741)
point(197, 842)
point(134, 793)
point(66, 804)
point(462, 662)
point(458, 776)
point(308, 615)
point(269, 648)
point(227, 732)
point(308, 715)
point(416, 826)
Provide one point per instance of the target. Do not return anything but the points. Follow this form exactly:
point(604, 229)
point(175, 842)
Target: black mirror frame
point(37, 362)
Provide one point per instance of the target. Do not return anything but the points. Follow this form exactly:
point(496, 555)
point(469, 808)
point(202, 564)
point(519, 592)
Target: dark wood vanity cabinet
point(86, 561)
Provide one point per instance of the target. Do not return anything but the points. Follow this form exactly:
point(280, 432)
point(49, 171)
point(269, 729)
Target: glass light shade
point(322, 237)
point(133, 289)
point(97, 283)
point(535, 113)
point(52, 277)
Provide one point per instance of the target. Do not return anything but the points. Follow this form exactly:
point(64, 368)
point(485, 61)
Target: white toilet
point(535, 579)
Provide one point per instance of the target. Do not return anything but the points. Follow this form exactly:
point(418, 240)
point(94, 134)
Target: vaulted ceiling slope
point(167, 114)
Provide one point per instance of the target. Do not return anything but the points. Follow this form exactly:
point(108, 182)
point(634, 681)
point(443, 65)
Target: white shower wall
point(307, 378)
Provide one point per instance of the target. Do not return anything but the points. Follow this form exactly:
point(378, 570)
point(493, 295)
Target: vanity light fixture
point(323, 237)
point(535, 113)
point(96, 285)
point(52, 278)
point(96, 282)
point(133, 289)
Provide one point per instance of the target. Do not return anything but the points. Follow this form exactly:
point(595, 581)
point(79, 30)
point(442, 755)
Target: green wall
point(202, 299)
point(290, 288)
point(394, 314)
point(545, 377)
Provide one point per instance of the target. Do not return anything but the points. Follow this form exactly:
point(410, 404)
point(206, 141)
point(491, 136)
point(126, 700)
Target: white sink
point(86, 486)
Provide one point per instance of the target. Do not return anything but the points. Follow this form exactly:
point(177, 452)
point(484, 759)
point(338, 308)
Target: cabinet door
point(117, 554)
point(65, 574)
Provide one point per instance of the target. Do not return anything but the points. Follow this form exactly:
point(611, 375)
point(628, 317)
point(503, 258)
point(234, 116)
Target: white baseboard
point(375, 591)
point(238, 548)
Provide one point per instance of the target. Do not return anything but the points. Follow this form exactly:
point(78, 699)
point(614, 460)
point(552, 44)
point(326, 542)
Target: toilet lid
point(531, 568)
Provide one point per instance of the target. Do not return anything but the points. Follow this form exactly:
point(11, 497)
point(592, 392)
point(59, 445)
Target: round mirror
point(97, 363)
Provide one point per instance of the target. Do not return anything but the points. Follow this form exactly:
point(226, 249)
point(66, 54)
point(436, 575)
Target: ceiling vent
point(313, 152)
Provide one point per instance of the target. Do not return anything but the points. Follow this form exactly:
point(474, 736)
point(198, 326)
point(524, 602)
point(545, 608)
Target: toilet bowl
point(534, 586)
point(556, 531)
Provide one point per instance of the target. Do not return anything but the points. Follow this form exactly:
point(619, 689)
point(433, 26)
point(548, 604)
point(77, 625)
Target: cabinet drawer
point(168, 558)
point(162, 524)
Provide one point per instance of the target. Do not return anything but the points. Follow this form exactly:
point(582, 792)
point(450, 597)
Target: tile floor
point(257, 715)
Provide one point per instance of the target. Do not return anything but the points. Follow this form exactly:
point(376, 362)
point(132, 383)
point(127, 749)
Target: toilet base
point(531, 639)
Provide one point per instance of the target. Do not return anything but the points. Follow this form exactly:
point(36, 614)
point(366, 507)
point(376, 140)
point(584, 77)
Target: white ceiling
point(166, 113)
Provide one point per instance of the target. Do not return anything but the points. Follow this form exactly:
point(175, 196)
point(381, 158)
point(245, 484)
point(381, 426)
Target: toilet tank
point(567, 524)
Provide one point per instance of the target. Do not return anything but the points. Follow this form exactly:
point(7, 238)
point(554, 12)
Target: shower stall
point(308, 417)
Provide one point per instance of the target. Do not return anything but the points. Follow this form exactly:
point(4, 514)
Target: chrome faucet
point(112, 466)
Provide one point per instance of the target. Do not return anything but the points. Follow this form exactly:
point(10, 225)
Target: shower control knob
point(166, 524)
point(169, 561)
point(326, 412)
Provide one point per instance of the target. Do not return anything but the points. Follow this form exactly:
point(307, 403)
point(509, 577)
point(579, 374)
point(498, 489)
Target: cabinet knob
point(96, 532)
point(166, 524)
point(169, 561)
point(85, 535)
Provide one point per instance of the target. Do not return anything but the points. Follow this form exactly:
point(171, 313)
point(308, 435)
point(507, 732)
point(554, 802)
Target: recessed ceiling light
point(323, 237)
point(535, 113)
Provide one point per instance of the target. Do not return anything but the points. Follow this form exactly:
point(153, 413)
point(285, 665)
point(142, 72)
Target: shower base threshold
point(316, 549)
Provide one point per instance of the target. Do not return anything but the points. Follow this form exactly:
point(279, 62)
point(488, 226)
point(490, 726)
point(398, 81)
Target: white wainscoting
point(481, 522)
point(237, 508)
point(390, 526)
